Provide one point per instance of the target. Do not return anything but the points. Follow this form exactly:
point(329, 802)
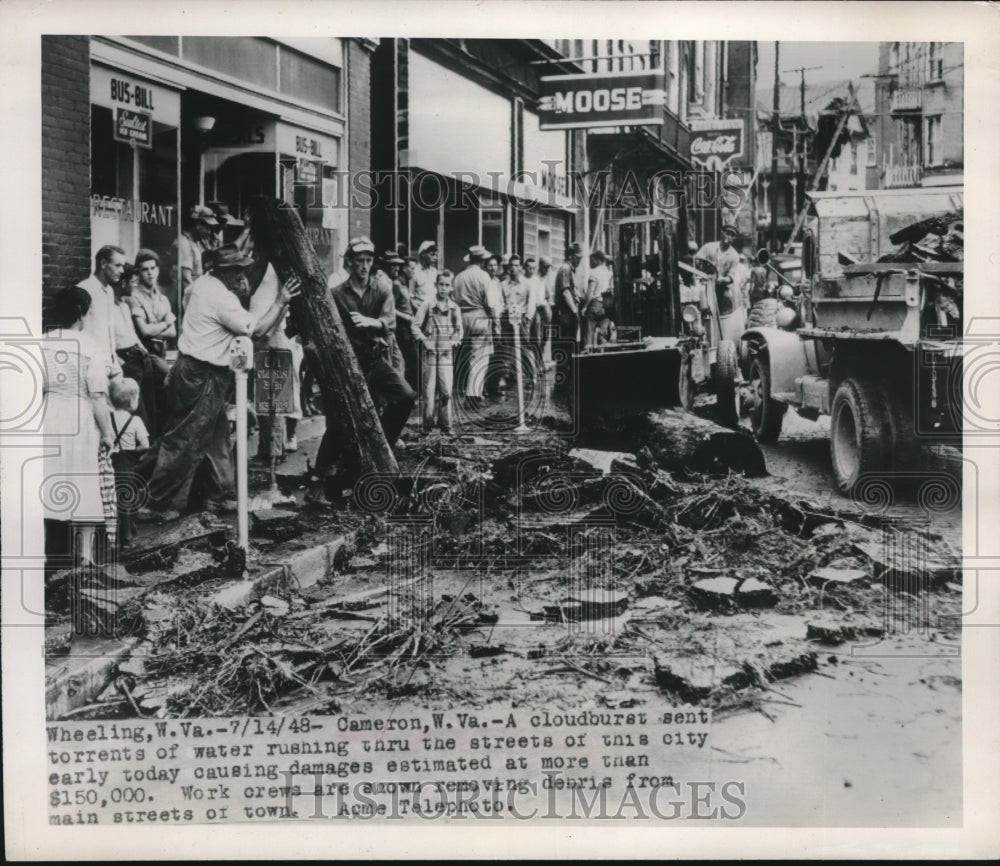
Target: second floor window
point(934, 61)
point(932, 141)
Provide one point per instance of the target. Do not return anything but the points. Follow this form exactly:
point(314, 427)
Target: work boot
point(316, 492)
point(148, 514)
point(221, 506)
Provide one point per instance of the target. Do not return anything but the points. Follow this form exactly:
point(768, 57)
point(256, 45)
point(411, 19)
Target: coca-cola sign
point(716, 143)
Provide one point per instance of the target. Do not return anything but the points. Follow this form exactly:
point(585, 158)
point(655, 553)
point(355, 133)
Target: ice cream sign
point(133, 127)
point(135, 104)
point(716, 143)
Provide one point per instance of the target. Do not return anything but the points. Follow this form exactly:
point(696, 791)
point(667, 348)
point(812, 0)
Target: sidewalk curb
point(304, 568)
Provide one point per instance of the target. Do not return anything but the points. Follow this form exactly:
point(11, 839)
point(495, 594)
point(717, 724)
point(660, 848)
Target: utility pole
point(776, 106)
point(801, 157)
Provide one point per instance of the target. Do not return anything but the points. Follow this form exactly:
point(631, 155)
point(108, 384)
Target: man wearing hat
point(230, 227)
point(722, 255)
point(368, 312)
point(425, 278)
point(474, 294)
point(198, 238)
point(404, 353)
point(195, 451)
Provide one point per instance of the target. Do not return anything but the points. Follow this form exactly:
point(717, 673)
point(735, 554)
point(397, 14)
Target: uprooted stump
point(681, 442)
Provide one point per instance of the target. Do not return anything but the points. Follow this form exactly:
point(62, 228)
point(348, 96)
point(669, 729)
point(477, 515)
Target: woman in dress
point(78, 425)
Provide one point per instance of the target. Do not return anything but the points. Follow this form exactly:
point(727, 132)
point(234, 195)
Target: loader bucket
point(615, 386)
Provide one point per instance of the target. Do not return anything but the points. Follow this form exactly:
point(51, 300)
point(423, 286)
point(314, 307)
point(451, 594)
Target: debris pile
point(934, 239)
point(536, 565)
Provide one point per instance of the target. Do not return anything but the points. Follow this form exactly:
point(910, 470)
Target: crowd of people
point(422, 335)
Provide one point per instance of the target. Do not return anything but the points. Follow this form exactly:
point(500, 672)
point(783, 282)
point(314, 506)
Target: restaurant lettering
point(131, 210)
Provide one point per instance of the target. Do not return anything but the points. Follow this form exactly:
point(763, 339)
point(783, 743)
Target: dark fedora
point(223, 215)
point(228, 256)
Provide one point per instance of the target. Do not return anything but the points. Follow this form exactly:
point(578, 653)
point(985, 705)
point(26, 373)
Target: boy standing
point(131, 439)
point(437, 327)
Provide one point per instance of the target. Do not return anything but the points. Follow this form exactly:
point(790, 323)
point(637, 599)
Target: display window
point(134, 146)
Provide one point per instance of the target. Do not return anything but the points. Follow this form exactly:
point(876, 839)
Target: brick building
point(139, 129)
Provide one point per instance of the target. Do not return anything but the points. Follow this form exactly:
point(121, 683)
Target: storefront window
point(308, 165)
point(309, 80)
point(134, 163)
point(251, 60)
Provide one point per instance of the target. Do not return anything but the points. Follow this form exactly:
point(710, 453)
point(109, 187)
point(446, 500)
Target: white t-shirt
point(422, 286)
point(98, 324)
point(212, 317)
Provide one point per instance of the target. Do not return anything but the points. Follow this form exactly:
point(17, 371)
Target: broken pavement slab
point(714, 592)
point(837, 575)
point(604, 461)
point(84, 674)
point(755, 593)
point(599, 603)
point(693, 680)
point(728, 593)
point(830, 631)
point(909, 553)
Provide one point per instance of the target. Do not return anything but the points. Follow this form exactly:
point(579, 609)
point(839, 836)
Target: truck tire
point(905, 451)
point(724, 377)
point(859, 434)
point(766, 415)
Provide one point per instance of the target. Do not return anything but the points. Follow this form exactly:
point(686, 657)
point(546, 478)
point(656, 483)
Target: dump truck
point(875, 341)
point(676, 337)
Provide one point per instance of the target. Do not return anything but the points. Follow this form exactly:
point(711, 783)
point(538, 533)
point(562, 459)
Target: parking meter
point(241, 354)
point(241, 362)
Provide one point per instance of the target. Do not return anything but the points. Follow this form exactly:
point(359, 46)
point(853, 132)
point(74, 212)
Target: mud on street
point(501, 571)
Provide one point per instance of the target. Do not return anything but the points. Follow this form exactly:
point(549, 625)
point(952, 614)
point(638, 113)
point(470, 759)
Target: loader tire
point(724, 376)
point(766, 415)
point(859, 433)
point(685, 385)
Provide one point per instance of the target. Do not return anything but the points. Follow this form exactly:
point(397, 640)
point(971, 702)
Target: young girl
point(131, 439)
